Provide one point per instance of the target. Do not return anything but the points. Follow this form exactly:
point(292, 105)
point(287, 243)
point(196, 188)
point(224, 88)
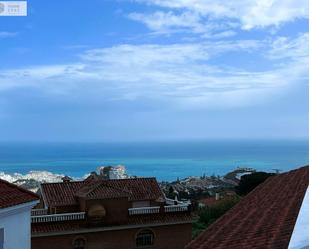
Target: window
point(144, 238)
point(1, 237)
point(96, 213)
point(79, 244)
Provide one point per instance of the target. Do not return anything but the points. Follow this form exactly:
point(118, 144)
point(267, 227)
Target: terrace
point(42, 216)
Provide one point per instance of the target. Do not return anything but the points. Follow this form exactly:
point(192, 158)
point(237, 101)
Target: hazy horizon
point(164, 160)
point(158, 141)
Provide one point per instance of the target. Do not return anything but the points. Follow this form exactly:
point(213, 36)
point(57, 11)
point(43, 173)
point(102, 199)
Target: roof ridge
point(287, 211)
point(252, 193)
point(236, 231)
point(105, 182)
point(98, 184)
point(139, 188)
point(54, 183)
point(121, 179)
point(133, 178)
point(266, 215)
point(302, 168)
point(20, 188)
point(93, 185)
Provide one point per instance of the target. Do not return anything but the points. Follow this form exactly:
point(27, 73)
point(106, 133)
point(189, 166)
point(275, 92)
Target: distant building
point(112, 172)
point(15, 211)
point(274, 215)
point(110, 214)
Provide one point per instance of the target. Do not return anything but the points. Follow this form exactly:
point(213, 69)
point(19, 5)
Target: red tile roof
point(265, 218)
point(53, 227)
point(60, 194)
point(138, 188)
point(151, 219)
point(65, 193)
point(100, 190)
point(12, 195)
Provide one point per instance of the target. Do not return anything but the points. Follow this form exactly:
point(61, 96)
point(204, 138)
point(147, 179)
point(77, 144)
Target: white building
point(15, 216)
point(113, 172)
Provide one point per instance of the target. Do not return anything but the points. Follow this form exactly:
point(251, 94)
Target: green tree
point(210, 214)
point(249, 182)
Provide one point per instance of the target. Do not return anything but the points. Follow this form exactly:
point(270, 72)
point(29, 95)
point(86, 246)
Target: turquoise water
point(166, 161)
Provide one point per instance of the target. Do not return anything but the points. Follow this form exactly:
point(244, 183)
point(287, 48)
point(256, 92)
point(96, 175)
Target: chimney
point(176, 197)
point(217, 197)
point(66, 179)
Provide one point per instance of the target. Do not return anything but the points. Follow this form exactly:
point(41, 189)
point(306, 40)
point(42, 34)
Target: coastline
point(32, 179)
point(165, 161)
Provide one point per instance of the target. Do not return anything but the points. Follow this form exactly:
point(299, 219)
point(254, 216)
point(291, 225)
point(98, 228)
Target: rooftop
point(12, 195)
point(135, 189)
point(96, 204)
point(265, 218)
point(39, 229)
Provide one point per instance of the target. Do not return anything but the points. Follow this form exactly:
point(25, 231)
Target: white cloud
point(166, 22)
point(180, 73)
point(52, 78)
point(285, 47)
point(248, 14)
point(219, 35)
point(5, 34)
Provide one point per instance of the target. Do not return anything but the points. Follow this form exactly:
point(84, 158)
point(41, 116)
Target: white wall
point(16, 222)
point(300, 235)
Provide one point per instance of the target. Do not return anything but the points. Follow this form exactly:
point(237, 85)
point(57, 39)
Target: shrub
point(210, 214)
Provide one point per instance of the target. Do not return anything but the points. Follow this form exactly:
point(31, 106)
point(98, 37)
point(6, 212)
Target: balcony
point(144, 210)
point(176, 202)
point(42, 216)
point(38, 212)
point(155, 210)
point(58, 217)
point(176, 208)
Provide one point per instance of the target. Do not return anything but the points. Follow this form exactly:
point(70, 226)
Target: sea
point(167, 161)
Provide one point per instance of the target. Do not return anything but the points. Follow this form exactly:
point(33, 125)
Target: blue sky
point(144, 70)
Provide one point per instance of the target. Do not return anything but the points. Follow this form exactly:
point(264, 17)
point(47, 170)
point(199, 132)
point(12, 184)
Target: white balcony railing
point(176, 208)
point(156, 210)
point(37, 212)
point(144, 210)
point(174, 202)
point(170, 201)
point(58, 217)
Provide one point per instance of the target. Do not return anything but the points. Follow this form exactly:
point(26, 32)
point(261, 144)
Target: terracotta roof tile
point(138, 188)
point(39, 228)
point(265, 218)
point(12, 195)
point(100, 190)
point(152, 219)
point(60, 194)
point(64, 193)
